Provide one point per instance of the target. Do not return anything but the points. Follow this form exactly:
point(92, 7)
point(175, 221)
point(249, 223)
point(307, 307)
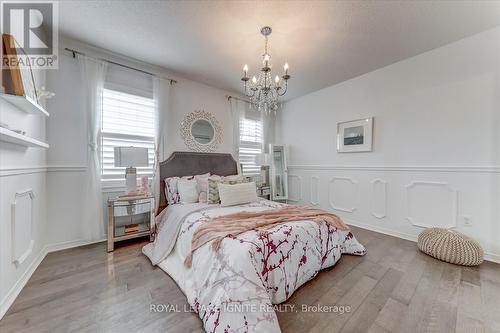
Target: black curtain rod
point(240, 99)
point(75, 52)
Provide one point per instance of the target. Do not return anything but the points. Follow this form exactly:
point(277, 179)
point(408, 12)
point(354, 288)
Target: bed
point(234, 288)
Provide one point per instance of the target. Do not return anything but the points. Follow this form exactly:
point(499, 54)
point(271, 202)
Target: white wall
point(21, 169)
point(67, 132)
point(436, 144)
point(57, 176)
point(188, 96)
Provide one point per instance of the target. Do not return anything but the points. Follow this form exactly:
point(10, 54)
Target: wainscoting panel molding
point(431, 204)
point(294, 188)
point(22, 226)
point(379, 198)
point(401, 200)
point(346, 188)
point(314, 191)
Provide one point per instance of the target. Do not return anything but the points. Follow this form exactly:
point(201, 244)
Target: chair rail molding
point(332, 202)
point(26, 170)
point(66, 168)
point(454, 203)
point(19, 255)
point(314, 191)
point(383, 184)
point(15, 171)
point(403, 168)
point(299, 190)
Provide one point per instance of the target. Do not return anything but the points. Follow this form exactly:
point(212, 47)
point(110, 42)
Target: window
point(250, 145)
point(127, 120)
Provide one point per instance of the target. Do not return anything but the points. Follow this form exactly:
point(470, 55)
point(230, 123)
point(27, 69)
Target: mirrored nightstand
point(264, 191)
point(130, 217)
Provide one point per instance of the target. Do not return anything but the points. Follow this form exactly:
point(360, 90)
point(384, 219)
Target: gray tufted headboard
point(190, 163)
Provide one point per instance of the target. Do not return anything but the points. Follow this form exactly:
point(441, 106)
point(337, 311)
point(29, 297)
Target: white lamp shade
point(131, 157)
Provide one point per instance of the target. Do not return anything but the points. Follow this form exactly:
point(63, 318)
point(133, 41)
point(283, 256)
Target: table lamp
point(130, 158)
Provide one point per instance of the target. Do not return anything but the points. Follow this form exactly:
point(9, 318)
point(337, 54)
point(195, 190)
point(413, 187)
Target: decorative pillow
point(202, 197)
point(237, 194)
point(187, 191)
point(171, 191)
point(202, 186)
point(213, 189)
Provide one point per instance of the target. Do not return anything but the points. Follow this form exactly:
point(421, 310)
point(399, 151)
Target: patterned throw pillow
point(202, 186)
point(213, 185)
point(171, 190)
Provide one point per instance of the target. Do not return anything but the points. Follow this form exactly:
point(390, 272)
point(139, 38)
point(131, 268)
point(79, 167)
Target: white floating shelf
point(26, 104)
point(7, 135)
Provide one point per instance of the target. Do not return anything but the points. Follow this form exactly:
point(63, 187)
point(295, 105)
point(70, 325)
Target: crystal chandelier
point(263, 91)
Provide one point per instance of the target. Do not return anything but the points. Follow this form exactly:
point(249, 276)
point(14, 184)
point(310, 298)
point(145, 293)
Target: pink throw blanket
point(216, 229)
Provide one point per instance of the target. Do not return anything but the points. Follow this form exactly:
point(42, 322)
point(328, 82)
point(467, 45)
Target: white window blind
point(127, 120)
point(250, 145)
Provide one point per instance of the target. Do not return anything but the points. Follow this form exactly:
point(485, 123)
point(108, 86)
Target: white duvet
point(233, 289)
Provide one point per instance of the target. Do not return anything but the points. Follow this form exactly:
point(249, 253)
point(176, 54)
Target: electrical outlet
point(467, 220)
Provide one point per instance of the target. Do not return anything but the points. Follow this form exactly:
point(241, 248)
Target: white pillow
point(187, 191)
point(237, 194)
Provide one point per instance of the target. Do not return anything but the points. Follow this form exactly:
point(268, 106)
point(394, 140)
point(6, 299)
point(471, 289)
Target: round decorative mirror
point(201, 131)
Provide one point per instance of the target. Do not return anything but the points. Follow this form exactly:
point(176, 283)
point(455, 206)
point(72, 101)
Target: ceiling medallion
point(263, 91)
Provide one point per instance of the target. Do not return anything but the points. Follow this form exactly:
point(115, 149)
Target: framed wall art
point(17, 75)
point(355, 135)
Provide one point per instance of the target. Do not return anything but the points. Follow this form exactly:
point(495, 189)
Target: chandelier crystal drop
point(264, 90)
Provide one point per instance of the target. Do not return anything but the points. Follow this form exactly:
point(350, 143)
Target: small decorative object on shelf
point(18, 84)
point(45, 94)
point(17, 76)
point(130, 217)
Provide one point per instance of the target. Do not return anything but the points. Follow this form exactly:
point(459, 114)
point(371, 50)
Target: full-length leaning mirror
point(201, 131)
point(279, 172)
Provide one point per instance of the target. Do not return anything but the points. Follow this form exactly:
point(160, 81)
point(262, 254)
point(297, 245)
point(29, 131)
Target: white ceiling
point(325, 42)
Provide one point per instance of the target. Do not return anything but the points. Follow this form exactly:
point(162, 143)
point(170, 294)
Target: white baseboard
point(70, 245)
point(11, 296)
point(492, 257)
point(381, 230)
point(487, 255)
point(16, 289)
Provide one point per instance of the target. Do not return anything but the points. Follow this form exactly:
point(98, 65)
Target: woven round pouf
point(450, 246)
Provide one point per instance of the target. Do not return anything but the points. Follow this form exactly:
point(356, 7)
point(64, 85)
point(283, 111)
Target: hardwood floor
point(394, 288)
